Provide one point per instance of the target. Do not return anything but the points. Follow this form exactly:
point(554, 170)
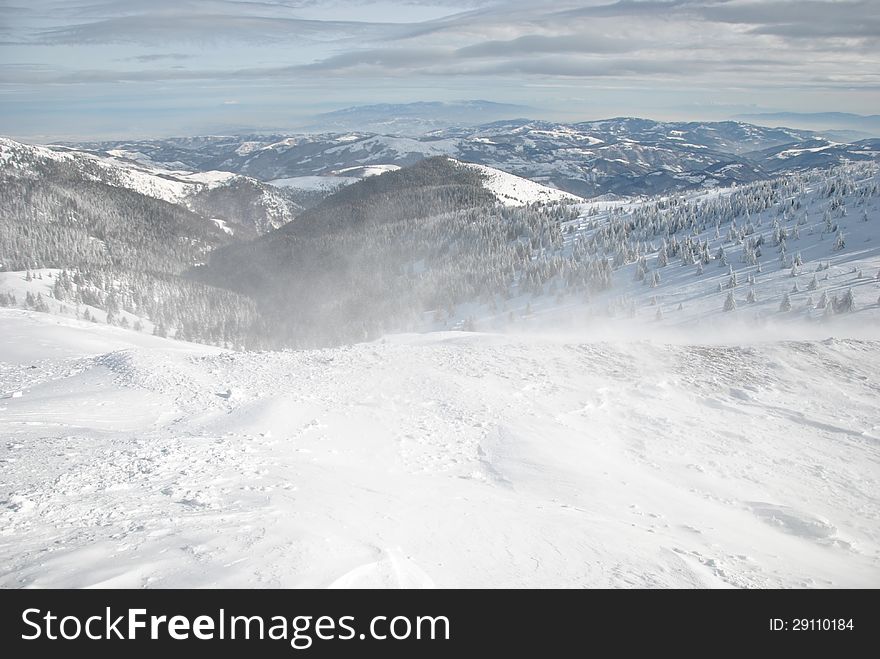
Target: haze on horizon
point(82, 69)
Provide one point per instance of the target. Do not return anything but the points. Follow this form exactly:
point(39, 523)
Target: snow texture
point(437, 460)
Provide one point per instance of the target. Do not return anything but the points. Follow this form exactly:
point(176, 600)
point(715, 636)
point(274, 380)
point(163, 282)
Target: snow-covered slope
point(39, 284)
point(333, 181)
point(810, 239)
point(510, 190)
point(258, 206)
point(817, 153)
point(517, 191)
point(437, 460)
point(27, 160)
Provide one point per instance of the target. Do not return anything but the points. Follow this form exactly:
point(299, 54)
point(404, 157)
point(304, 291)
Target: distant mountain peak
point(415, 118)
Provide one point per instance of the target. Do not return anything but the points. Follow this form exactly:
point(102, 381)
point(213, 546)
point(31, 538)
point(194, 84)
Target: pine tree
point(846, 303)
point(662, 257)
point(785, 305)
point(730, 302)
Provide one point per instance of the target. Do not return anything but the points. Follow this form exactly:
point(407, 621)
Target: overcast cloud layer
point(83, 68)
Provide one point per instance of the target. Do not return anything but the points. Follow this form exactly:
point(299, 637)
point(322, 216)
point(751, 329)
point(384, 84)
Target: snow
point(223, 225)
point(42, 283)
point(514, 190)
point(211, 179)
point(511, 190)
point(324, 183)
point(335, 180)
point(446, 459)
point(790, 153)
point(394, 147)
point(693, 301)
point(575, 446)
point(366, 171)
point(133, 171)
point(248, 147)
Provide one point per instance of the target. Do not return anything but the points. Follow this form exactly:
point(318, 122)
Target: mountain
point(619, 156)
point(817, 153)
point(868, 124)
point(426, 246)
point(622, 156)
point(413, 119)
point(511, 190)
point(681, 389)
point(98, 239)
point(337, 273)
point(249, 205)
point(459, 241)
point(67, 208)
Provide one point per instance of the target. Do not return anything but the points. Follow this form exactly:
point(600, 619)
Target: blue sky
point(130, 68)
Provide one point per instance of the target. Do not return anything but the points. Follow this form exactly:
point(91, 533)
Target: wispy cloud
point(155, 57)
point(734, 47)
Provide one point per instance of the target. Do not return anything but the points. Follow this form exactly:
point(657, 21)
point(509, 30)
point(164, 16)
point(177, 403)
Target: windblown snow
point(445, 459)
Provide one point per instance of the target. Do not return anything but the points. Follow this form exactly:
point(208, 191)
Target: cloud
point(155, 57)
point(389, 58)
point(354, 47)
point(177, 27)
point(538, 43)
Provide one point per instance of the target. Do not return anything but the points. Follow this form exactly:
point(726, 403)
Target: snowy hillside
point(792, 252)
point(517, 191)
point(510, 190)
point(257, 206)
point(442, 460)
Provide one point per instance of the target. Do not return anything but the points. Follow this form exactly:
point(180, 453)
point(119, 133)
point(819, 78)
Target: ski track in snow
point(437, 460)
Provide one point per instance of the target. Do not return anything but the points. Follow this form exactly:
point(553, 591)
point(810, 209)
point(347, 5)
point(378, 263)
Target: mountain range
point(867, 125)
point(192, 234)
point(622, 156)
point(413, 119)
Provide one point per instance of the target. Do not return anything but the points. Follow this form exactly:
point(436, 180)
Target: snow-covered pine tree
point(785, 305)
point(846, 303)
point(730, 302)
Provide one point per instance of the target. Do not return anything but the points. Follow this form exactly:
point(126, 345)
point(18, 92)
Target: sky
point(84, 69)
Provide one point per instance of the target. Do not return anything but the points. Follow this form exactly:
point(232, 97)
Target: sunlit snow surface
point(446, 459)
